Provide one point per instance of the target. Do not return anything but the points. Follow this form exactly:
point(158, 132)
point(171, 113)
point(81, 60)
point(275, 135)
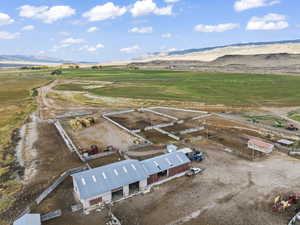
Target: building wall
point(171, 172)
point(125, 191)
point(179, 169)
point(143, 185)
point(152, 179)
point(106, 198)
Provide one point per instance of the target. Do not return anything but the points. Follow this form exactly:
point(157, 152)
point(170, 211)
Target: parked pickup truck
point(194, 171)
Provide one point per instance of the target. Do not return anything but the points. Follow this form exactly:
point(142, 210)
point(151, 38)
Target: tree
point(56, 72)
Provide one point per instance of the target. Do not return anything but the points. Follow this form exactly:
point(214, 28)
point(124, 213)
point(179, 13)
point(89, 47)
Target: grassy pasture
point(208, 87)
point(17, 102)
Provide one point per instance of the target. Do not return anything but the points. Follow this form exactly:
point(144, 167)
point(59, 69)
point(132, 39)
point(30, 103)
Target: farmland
point(17, 102)
point(233, 99)
point(208, 87)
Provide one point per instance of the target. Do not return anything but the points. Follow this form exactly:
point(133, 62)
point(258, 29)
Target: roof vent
point(169, 162)
point(94, 178)
point(83, 181)
point(124, 168)
point(180, 159)
point(133, 167)
point(116, 172)
point(156, 164)
point(104, 175)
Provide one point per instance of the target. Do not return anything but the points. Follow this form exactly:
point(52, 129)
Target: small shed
point(285, 142)
point(32, 219)
point(260, 146)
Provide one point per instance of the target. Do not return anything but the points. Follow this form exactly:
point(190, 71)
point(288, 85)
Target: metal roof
point(32, 219)
point(164, 162)
point(94, 182)
point(286, 142)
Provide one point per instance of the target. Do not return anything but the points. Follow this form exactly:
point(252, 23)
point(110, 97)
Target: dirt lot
point(157, 137)
point(103, 134)
point(53, 158)
point(139, 120)
point(231, 191)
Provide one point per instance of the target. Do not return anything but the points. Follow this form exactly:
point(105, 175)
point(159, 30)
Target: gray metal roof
point(32, 219)
point(94, 182)
point(164, 162)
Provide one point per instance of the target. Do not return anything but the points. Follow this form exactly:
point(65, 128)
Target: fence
point(160, 114)
point(67, 115)
point(134, 147)
point(124, 128)
point(96, 156)
point(68, 140)
point(51, 215)
point(162, 125)
point(191, 130)
point(177, 109)
point(62, 177)
point(167, 133)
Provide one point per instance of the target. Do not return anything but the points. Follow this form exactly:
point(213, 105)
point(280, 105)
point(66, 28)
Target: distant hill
point(29, 59)
point(187, 51)
point(26, 58)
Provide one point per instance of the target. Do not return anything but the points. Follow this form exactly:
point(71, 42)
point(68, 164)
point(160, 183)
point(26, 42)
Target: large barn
point(121, 179)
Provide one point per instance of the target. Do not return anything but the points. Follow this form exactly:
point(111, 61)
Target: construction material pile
point(282, 203)
point(80, 123)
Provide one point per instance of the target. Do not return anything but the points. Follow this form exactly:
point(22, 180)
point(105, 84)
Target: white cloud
point(71, 41)
point(7, 35)
point(92, 29)
point(64, 33)
point(5, 19)
point(216, 28)
point(141, 30)
point(92, 48)
point(131, 49)
point(171, 1)
point(103, 12)
point(146, 7)
point(242, 5)
point(28, 28)
point(270, 21)
point(45, 13)
point(166, 35)
point(172, 49)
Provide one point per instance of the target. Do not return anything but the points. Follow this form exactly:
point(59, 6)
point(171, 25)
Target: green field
point(207, 87)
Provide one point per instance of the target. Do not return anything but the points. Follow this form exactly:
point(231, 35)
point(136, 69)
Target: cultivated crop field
point(206, 87)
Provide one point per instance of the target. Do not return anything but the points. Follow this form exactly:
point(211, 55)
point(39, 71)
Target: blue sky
point(100, 30)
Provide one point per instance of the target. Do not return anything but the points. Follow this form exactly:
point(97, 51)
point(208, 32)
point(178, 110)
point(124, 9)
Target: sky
point(113, 30)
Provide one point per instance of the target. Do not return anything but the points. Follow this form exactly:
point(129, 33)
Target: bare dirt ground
point(139, 120)
point(52, 159)
point(231, 191)
point(103, 134)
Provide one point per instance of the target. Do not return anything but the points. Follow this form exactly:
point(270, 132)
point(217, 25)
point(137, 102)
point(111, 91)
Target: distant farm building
point(285, 142)
point(260, 146)
point(119, 180)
